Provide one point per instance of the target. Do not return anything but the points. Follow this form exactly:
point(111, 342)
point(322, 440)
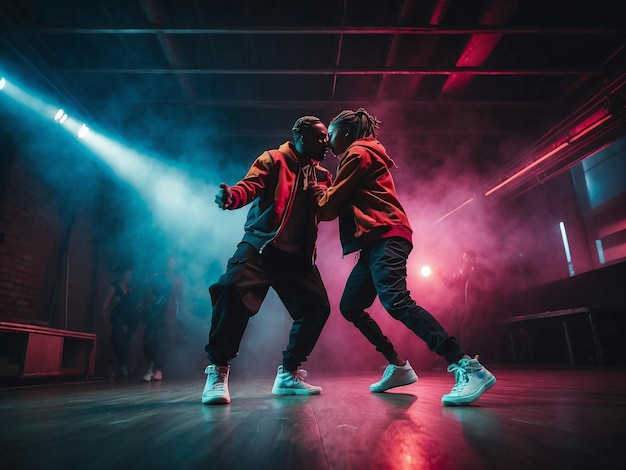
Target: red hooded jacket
point(364, 197)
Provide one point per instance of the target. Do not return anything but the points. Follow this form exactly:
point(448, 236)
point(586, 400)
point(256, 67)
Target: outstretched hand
point(224, 197)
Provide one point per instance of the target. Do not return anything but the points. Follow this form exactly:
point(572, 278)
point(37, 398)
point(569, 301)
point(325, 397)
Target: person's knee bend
point(347, 310)
point(351, 315)
point(320, 314)
point(326, 313)
point(400, 306)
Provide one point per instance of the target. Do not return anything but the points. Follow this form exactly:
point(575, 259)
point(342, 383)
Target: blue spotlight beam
point(182, 205)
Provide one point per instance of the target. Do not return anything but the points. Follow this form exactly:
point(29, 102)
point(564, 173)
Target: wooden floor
point(531, 419)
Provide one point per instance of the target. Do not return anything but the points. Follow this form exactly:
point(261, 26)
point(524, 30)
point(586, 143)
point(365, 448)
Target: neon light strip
point(600, 251)
point(568, 255)
point(456, 210)
point(549, 154)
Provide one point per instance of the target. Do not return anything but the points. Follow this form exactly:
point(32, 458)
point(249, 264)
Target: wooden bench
point(40, 351)
point(563, 315)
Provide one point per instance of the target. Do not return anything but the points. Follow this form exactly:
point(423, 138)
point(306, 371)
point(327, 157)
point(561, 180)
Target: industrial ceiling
point(485, 86)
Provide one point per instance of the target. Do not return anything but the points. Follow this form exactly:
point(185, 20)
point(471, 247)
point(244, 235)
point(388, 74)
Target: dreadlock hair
point(359, 123)
point(303, 125)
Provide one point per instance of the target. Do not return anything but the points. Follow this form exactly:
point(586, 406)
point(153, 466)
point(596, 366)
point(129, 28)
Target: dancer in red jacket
point(373, 221)
point(277, 250)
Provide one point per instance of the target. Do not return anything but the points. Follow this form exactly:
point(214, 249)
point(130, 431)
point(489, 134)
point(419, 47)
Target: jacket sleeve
point(254, 183)
point(349, 174)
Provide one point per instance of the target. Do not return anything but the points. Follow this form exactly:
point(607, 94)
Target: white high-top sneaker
point(287, 383)
point(472, 380)
point(216, 388)
point(395, 376)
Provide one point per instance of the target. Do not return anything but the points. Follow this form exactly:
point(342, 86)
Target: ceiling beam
point(399, 133)
point(443, 106)
point(276, 30)
point(373, 71)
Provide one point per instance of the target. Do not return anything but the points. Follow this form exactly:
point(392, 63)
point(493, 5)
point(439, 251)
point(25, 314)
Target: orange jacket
point(364, 197)
point(270, 186)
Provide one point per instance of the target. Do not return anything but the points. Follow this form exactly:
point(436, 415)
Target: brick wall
point(55, 262)
point(48, 256)
point(32, 228)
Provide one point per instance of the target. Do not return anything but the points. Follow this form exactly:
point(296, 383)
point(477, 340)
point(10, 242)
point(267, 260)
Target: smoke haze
point(159, 199)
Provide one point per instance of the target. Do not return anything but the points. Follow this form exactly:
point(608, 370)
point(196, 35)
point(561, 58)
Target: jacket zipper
point(287, 212)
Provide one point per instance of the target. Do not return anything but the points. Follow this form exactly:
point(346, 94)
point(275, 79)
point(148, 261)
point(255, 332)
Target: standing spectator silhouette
point(160, 308)
point(471, 285)
point(124, 318)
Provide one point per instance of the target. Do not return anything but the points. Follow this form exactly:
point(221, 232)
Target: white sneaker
point(216, 387)
point(158, 375)
point(287, 383)
point(395, 376)
point(472, 380)
point(148, 376)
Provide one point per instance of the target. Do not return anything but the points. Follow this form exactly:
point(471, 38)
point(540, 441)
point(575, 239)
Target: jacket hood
point(373, 145)
point(287, 149)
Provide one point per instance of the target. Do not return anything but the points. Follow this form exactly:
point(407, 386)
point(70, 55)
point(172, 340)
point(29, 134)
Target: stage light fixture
point(426, 271)
point(60, 116)
point(83, 131)
point(3, 82)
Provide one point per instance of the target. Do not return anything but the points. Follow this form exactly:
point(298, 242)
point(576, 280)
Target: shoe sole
point(472, 398)
point(215, 401)
point(400, 384)
point(289, 391)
